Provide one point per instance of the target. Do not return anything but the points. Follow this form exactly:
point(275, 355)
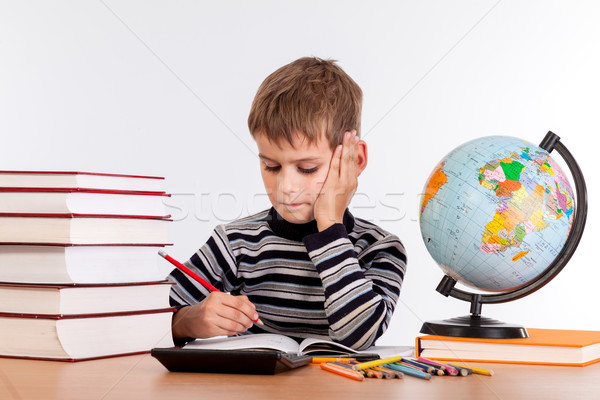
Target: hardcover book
point(84, 180)
point(16, 298)
point(83, 337)
point(82, 229)
point(82, 201)
point(83, 265)
point(543, 346)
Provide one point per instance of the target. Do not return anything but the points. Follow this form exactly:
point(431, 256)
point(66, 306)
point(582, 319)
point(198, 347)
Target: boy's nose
point(288, 183)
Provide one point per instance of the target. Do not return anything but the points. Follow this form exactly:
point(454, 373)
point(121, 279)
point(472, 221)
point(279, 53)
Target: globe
point(496, 215)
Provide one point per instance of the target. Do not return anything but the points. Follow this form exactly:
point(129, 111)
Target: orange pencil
point(319, 360)
point(374, 373)
point(387, 373)
point(192, 274)
point(342, 371)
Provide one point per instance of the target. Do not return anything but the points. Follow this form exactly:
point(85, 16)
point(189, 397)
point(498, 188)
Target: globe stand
point(476, 326)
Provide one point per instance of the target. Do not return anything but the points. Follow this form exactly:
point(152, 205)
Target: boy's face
point(294, 175)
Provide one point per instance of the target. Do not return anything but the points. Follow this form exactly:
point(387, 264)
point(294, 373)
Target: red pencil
point(194, 275)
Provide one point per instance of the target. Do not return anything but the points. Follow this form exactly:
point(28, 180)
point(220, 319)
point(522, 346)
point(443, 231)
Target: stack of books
point(79, 275)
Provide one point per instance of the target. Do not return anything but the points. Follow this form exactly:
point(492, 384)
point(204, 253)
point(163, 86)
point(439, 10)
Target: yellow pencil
point(477, 370)
point(376, 363)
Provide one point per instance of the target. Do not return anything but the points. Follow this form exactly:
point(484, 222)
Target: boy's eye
point(274, 168)
point(308, 170)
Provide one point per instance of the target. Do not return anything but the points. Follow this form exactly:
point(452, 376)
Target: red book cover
point(75, 179)
point(81, 190)
point(79, 316)
point(75, 285)
point(72, 215)
point(80, 173)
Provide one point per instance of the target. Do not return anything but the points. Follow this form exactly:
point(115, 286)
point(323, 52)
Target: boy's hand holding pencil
point(219, 314)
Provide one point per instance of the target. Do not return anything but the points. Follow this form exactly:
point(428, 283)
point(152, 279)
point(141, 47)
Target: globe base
point(474, 326)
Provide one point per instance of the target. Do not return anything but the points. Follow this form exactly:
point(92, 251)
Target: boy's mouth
point(292, 205)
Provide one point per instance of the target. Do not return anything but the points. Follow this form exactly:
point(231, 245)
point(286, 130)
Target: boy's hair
point(309, 96)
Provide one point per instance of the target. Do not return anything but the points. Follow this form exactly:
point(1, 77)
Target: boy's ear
point(362, 156)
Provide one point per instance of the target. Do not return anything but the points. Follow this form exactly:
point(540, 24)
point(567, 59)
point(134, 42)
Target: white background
point(164, 88)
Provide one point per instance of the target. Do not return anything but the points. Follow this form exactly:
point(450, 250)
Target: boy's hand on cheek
point(340, 184)
point(219, 314)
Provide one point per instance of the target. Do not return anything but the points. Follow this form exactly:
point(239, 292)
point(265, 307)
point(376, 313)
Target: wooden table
point(142, 377)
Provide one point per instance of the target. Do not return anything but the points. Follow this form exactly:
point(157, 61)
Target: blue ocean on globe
point(495, 213)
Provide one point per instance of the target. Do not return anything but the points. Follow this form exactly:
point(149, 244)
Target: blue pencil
point(409, 371)
point(429, 368)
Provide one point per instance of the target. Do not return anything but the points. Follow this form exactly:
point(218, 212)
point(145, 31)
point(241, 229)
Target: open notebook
point(309, 346)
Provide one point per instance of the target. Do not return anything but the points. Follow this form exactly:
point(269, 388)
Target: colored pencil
point(373, 373)
point(319, 360)
point(463, 371)
point(192, 274)
point(348, 365)
point(444, 369)
point(341, 364)
point(477, 370)
point(453, 371)
point(428, 368)
point(376, 363)
point(397, 374)
point(409, 371)
point(348, 373)
point(387, 373)
point(410, 366)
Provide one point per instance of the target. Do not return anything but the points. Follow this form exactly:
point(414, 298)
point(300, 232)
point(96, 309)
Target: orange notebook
point(543, 346)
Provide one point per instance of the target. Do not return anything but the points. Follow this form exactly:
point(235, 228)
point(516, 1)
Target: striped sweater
point(341, 284)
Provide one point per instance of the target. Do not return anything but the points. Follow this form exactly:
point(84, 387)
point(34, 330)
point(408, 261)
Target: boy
point(307, 267)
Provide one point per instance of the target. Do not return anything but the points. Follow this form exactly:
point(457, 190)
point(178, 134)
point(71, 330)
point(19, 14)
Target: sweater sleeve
point(214, 262)
point(361, 291)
